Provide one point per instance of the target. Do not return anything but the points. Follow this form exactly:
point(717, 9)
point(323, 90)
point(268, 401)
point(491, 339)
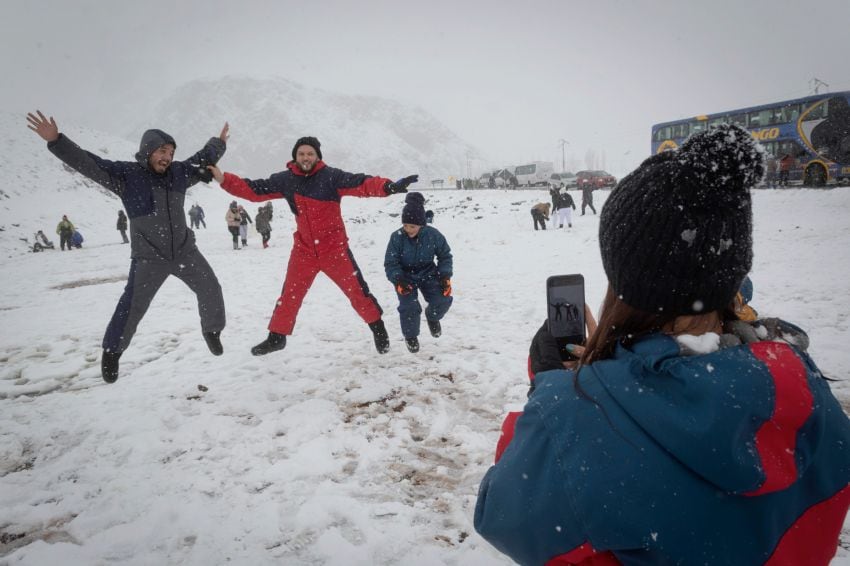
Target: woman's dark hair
point(621, 324)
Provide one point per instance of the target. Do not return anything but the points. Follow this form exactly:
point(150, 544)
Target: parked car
point(598, 179)
point(565, 179)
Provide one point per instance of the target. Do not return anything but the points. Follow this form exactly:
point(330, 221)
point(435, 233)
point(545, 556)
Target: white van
point(534, 173)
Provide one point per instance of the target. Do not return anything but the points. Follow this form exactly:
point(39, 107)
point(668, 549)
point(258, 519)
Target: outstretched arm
point(208, 155)
point(102, 171)
point(254, 191)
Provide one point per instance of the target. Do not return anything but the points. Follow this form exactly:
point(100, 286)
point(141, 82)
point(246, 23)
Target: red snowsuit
point(320, 241)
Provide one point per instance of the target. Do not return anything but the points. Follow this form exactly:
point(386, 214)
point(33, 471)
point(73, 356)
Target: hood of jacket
point(151, 140)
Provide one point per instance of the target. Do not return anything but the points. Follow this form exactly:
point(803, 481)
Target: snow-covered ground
point(326, 452)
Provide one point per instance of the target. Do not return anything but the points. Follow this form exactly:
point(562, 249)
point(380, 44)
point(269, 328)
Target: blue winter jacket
point(653, 457)
point(413, 258)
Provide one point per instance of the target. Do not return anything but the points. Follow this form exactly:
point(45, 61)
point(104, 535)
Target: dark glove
point(446, 286)
point(403, 286)
point(544, 353)
point(401, 185)
point(202, 172)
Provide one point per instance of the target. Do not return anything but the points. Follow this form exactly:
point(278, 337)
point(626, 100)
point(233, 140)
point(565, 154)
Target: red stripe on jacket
point(776, 440)
point(813, 538)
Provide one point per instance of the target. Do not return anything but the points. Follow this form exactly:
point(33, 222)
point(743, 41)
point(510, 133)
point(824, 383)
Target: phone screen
point(565, 308)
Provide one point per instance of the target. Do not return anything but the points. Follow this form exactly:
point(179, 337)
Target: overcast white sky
point(512, 78)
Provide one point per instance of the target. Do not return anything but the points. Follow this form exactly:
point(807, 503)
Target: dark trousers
point(234, 230)
point(410, 311)
point(586, 203)
point(64, 238)
point(783, 178)
point(538, 219)
point(145, 279)
point(124, 235)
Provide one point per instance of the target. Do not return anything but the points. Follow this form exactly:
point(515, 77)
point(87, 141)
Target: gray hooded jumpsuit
point(161, 243)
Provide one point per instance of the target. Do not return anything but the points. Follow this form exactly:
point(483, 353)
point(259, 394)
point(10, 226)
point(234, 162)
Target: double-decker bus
point(814, 131)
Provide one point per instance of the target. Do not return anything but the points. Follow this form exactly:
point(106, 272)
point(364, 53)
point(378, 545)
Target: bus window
point(776, 115)
point(680, 131)
point(739, 120)
point(790, 113)
point(697, 127)
point(818, 111)
point(760, 118)
point(662, 134)
point(716, 121)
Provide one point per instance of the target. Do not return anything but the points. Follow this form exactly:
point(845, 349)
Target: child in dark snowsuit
point(409, 265)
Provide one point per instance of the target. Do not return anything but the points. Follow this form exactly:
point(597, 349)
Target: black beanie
point(307, 140)
point(414, 209)
point(151, 141)
point(676, 233)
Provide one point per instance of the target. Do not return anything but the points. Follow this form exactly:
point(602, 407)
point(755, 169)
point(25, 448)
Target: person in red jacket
point(313, 191)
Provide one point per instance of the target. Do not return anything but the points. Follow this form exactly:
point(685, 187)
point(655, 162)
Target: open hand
point(47, 129)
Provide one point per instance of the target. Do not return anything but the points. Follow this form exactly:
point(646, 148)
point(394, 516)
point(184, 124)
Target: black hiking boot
point(412, 344)
point(109, 366)
point(382, 339)
point(435, 328)
point(271, 344)
point(213, 340)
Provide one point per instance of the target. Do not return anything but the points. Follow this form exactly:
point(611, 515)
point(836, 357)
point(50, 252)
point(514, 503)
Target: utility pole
point(563, 142)
point(816, 83)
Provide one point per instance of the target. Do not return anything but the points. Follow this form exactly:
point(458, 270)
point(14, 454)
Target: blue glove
point(401, 185)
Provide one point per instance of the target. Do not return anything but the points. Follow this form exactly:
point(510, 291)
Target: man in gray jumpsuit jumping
point(152, 189)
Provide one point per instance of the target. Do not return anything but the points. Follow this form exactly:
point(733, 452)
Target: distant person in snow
point(65, 229)
point(233, 219)
point(429, 217)
point(540, 214)
point(200, 210)
point(785, 165)
point(263, 222)
point(673, 441)
point(77, 239)
point(152, 189)
point(313, 191)
point(194, 221)
point(563, 207)
point(410, 267)
point(41, 242)
point(245, 219)
point(121, 226)
point(587, 197)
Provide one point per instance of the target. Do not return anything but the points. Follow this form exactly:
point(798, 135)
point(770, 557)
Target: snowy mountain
point(358, 133)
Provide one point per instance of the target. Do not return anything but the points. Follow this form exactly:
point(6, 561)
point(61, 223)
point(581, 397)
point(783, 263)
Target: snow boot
point(435, 328)
point(109, 366)
point(412, 344)
point(271, 344)
point(382, 339)
point(213, 340)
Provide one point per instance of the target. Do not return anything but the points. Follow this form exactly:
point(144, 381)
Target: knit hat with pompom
point(676, 233)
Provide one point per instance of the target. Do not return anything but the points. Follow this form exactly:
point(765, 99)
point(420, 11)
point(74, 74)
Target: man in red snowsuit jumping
point(313, 191)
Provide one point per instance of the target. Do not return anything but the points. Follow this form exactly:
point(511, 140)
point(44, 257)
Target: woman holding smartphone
point(676, 440)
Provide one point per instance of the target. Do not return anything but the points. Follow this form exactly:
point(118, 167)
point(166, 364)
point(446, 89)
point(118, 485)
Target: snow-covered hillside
point(326, 452)
point(358, 133)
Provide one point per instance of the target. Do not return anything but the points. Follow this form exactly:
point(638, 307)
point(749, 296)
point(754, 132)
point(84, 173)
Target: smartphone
point(565, 308)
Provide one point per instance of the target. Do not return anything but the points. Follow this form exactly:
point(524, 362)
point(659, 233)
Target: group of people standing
point(153, 191)
point(560, 210)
